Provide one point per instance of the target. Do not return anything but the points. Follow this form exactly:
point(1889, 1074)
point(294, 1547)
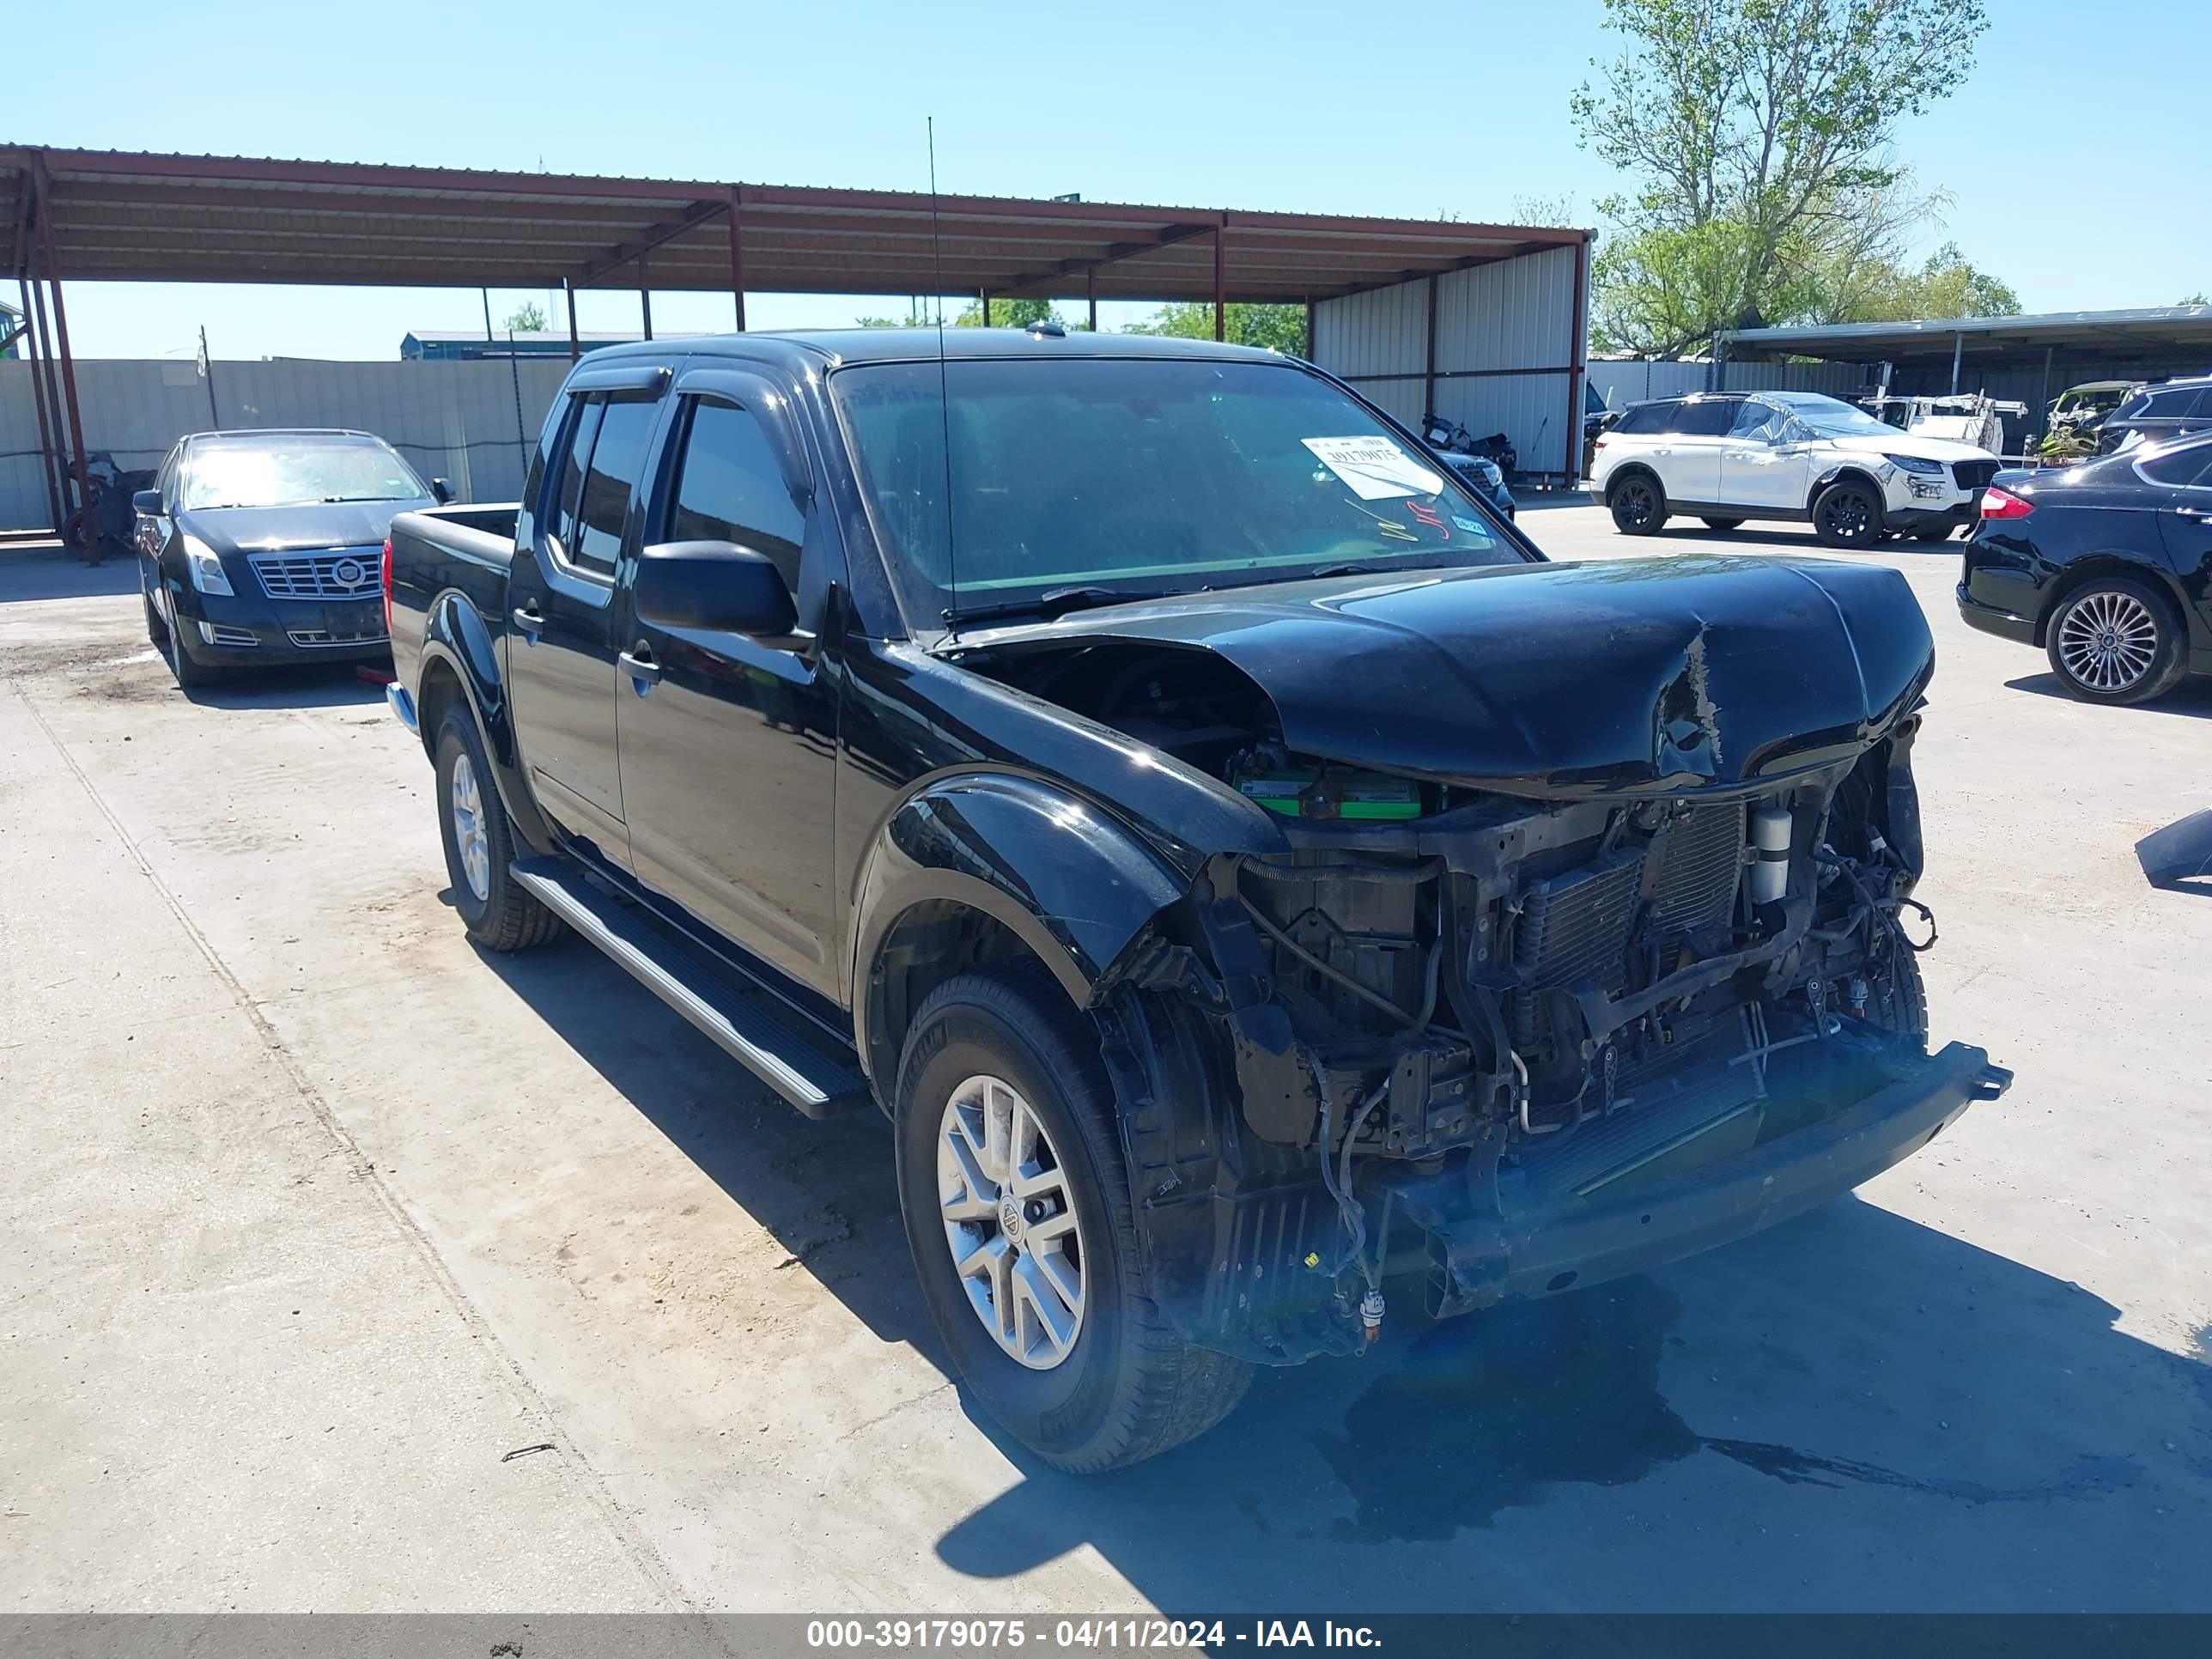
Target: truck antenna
point(943, 396)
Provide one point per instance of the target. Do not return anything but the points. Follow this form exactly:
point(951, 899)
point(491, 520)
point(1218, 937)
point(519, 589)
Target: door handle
point(641, 670)
point(2200, 515)
point(528, 622)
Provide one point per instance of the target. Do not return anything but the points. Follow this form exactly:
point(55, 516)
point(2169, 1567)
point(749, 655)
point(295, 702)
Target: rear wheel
point(499, 912)
point(1724, 525)
point(1847, 513)
point(1017, 1211)
point(1638, 507)
point(2115, 640)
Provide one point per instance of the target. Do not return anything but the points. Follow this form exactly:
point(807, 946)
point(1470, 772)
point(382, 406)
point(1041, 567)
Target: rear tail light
point(387, 586)
point(2003, 504)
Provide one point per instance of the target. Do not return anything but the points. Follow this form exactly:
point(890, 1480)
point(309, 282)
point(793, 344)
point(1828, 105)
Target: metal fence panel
point(457, 421)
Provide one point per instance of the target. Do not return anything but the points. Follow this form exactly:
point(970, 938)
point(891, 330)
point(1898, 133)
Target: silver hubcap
point(1010, 1222)
point(2108, 641)
point(469, 828)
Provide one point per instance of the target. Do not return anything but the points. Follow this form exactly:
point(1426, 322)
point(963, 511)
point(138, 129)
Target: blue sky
point(1315, 107)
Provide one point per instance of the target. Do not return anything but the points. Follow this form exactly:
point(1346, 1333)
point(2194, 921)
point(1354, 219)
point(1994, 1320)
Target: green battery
point(1339, 795)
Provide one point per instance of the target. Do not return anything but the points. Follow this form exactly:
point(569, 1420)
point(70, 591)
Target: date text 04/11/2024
point(1110, 1634)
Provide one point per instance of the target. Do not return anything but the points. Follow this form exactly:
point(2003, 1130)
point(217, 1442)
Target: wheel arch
point(461, 665)
point(1836, 474)
point(2080, 573)
point(1628, 469)
point(985, 869)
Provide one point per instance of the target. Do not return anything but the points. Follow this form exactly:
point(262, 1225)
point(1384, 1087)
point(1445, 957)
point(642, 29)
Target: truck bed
point(442, 549)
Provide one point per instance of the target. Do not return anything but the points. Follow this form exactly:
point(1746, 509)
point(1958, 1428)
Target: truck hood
point(1946, 450)
point(1637, 675)
point(305, 525)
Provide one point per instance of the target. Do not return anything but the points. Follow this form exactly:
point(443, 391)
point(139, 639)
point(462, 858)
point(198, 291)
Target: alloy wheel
point(2108, 641)
point(470, 836)
point(1010, 1222)
point(1848, 516)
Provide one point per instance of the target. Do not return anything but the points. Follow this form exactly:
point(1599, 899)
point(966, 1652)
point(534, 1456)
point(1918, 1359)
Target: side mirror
point(148, 502)
point(718, 586)
point(442, 491)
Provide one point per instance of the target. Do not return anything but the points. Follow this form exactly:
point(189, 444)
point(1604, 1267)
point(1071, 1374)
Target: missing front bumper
point(1476, 1263)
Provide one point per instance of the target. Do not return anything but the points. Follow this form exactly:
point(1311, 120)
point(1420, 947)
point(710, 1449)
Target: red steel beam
point(1428, 383)
point(1220, 284)
point(42, 190)
point(738, 251)
point(1576, 366)
point(49, 462)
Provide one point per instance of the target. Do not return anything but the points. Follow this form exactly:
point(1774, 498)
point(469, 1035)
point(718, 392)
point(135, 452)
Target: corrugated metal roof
point(2144, 327)
point(118, 215)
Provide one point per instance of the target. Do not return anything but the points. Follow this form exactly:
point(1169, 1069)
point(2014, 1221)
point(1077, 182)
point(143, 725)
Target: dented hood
point(1668, 673)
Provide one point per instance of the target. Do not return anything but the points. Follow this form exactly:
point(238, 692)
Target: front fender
point(1067, 880)
point(454, 634)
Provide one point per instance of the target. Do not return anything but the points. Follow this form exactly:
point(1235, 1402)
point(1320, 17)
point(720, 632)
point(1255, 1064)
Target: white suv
point(1792, 455)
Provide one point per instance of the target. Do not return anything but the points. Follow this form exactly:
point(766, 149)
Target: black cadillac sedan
point(2107, 565)
point(264, 547)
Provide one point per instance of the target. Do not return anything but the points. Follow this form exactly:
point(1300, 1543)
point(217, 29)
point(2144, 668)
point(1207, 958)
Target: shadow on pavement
point(2191, 696)
point(48, 573)
point(1853, 1410)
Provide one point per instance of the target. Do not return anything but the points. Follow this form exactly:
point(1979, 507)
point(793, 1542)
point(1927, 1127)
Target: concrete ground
point(346, 1268)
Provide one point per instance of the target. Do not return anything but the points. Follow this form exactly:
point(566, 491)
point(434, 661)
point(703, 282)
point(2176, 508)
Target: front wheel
point(1638, 507)
point(499, 912)
point(1847, 515)
point(2115, 640)
point(1017, 1211)
point(191, 674)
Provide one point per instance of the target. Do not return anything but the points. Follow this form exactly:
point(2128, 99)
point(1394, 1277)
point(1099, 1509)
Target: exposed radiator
point(1573, 927)
point(1698, 865)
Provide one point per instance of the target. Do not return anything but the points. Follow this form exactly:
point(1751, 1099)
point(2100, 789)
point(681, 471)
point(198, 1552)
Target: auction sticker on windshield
point(1375, 468)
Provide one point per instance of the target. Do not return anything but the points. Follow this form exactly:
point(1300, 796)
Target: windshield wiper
point(1349, 568)
point(1054, 602)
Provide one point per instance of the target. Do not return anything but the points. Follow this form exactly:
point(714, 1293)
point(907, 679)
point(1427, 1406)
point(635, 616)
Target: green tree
point(1751, 132)
point(1004, 313)
point(528, 318)
point(1283, 328)
point(2196, 298)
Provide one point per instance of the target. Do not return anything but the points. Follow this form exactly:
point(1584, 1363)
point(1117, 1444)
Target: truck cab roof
point(835, 347)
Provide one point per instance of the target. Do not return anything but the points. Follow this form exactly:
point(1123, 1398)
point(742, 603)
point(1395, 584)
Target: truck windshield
point(287, 471)
point(1143, 476)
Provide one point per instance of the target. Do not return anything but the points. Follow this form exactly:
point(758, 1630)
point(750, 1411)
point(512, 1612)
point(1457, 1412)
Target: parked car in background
point(1797, 457)
point(1481, 474)
point(2172, 409)
point(264, 547)
point(2107, 566)
point(2081, 410)
point(1233, 857)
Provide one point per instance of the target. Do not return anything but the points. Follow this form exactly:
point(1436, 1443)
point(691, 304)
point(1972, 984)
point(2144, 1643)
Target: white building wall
point(1505, 349)
point(457, 421)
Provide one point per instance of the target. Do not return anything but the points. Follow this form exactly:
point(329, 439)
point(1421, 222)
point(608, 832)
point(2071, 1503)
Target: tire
point(1847, 515)
point(191, 674)
point(157, 631)
point(1118, 1384)
point(1899, 1001)
point(2115, 639)
point(1637, 504)
point(1933, 532)
point(1723, 524)
point(498, 911)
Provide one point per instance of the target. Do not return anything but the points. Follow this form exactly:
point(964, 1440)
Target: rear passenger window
point(576, 461)
point(2178, 466)
point(1710, 417)
point(617, 460)
point(730, 488)
point(1642, 419)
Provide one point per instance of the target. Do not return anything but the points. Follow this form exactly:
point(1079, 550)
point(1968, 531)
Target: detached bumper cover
point(1477, 1263)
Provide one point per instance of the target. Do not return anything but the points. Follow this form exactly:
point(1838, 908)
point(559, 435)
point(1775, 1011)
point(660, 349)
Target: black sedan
point(2107, 566)
point(264, 547)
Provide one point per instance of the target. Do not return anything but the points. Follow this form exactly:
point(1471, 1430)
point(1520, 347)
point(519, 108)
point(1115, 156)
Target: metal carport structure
point(117, 216)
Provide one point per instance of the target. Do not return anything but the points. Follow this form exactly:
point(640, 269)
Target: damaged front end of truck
point(1588, 942)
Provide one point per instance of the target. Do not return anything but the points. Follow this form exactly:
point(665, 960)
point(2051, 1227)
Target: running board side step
point(746, 1019)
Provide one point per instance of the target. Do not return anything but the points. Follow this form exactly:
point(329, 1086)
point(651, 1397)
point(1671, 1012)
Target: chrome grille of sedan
point(337, 573)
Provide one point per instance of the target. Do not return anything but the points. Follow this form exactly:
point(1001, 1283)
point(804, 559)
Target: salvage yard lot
point(348, 1269)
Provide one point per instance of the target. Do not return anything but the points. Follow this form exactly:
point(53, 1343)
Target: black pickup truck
point(1245, 872)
